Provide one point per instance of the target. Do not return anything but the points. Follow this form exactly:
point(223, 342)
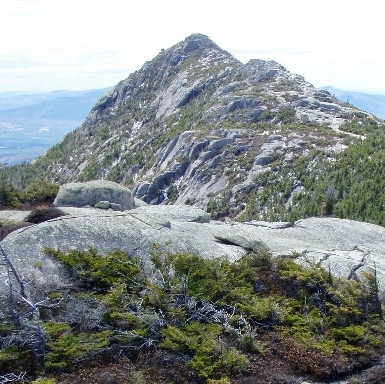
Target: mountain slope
point(196, 126)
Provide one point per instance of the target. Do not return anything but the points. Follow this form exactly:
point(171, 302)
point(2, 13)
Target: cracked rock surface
point(346, 247)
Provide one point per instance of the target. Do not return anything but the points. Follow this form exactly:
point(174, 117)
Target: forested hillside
point(347, 185)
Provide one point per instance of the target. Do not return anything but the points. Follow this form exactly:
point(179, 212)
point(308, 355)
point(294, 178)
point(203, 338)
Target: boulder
point(139, 202)
point(241, 103)
point(141, 189)
point(93, 192)
point(180, 213)
point(219, 144)
point(116, 207)
point(103, 205)
point(263, 160)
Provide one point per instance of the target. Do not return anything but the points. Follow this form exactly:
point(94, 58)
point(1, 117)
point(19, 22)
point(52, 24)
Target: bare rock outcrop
point(94, 192)
point(346, 247)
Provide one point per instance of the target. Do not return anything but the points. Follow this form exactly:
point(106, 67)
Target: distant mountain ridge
point(55, 106)
point(32, 123)
point(9, 94)
point(9, 100)
point(367, 102)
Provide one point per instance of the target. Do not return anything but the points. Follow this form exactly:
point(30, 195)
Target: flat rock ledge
point(346, 247)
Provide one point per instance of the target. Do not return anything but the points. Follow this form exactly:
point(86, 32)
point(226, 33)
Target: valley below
point(30, 124)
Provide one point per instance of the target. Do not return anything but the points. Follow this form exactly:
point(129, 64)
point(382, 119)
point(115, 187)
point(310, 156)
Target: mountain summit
point(170, 81)
point(196, 126)
point(196, 65)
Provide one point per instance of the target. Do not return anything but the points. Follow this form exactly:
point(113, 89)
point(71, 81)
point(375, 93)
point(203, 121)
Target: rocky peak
point(197, 68)
point(173, 68)
point(196, 41)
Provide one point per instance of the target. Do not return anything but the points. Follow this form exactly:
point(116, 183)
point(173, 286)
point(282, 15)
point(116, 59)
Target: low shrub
point(65, 347)
point(214, 318)
point(7, 227)
point(44, 213)
point(44, 381)
point(99, 271)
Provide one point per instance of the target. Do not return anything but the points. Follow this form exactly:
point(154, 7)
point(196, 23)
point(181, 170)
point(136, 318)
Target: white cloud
point(90, 44)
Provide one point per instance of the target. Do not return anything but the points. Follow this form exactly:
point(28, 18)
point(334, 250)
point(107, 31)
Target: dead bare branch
point(12, 377)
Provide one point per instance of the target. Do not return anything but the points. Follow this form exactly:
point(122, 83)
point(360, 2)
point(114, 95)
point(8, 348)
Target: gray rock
point(141, 189)
point(197, 148)
point(92, 192)
point(230, 88)
point(273, 138)
point(297, 143)
point(346, 246)
point(323, 96)
point(219, 144)
point(139, 202)
point(191, 94)
point(103, 204)
point(303, 103)
point(263, 160)
point(183, 213)
point(240, 103)
point(255, 113)
point(158, 183)
point(178, 229)
point(13, 216)
point(244, 188)
point(259, 70)
point(169, 149)
point(116, 207)
point(190, 46)
point(206, 156)
point(175, 59)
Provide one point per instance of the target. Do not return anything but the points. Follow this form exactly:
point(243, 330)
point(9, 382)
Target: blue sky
point(82, 44)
